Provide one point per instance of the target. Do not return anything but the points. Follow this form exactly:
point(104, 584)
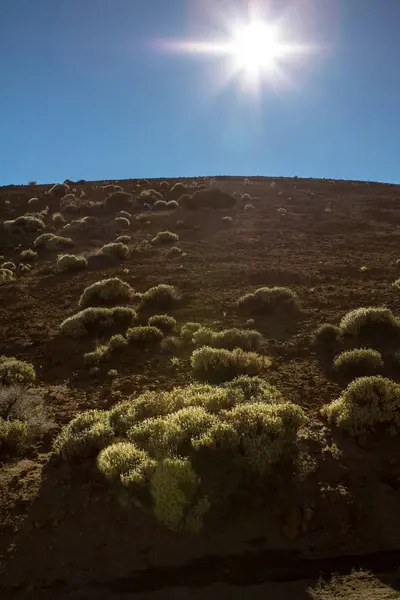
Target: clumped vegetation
point(49, 241)
point(24, 418)
point(326, 338)
point(166, 323)
point(118, 201)
point(270, 301)
point(6, 275)
point(107, 291)
point(28, 255)
point(368, 404)
point(58, 190)
point(71, 262)
point(167, 449)
point(218, 364)
point(173, 251)
point(372, 326)
point(94, 320)
point(228, 338)
point(8, 266)
point(122, 222)
point(14, 371)
point(85, 435)
point(188, 330)
point(165, 237)
point(149, 197)
point(355, 363)
point(209, 198)
point(23, 224)
point(144, 335)
point(115, 250)
point(160, 296)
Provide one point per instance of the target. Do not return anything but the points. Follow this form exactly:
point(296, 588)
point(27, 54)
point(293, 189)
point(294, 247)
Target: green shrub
point(174, 487)
point(229, 339)
point(94, 320)
point(115, 250)
point(71, 262)
point(28, 255)
point(85, 435)
point(270, 301)
point(166, 323)
point(23, 224)
point(218, 364)
point(8, 266)
point(24, 419)
point(59, 190)
point(118, 201)
point(210, 198)
point(49, 241)
point(125, 463)
point(173, 251)
point(100, 354)
point(371, 326)
point(160, 296)
point(165, 237)
point(13, 436)
point(188, 330)
point(355, 363)
point(107, 291)
point(14, 371)
point(144, 335)
point(6, 275)
point(117, 342)
point(326, 337)
point(367, 404)
point(122, 222)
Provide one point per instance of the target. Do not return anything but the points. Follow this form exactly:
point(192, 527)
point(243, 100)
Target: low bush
point(165, 237)
point(117, 342)
point(96, 320)
point(160, 205)
point(270, 301)
point(24, 418)
point(326, 337)
point(143, 335)
point(218, 364)
point(58, 218)
point(160, 296)
point(28, 255)
point(49, 241)
point(59, 190)
point(14, 371)
point(355, 363)
point(118, 201)
point(107, 291)
point(166, 323)
point(23, 224)
point(173, 251)
point(122, 222)
point(374, 326)
point(188, 330)
point(366, 405)
point(71, 262)
point(123, 239)
point(115, 250)
point(99, 354)
point(179, 453)
point(6, 275)
point(210, 198)
point(228, 339)
point(124, 213)
point(8, 266)
point(149, 197)
point(85, 435)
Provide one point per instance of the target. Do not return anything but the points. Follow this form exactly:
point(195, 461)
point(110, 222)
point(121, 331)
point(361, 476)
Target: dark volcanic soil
point(64, 532)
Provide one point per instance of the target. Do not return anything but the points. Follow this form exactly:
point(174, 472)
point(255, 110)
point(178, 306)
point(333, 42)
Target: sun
point(255, 47)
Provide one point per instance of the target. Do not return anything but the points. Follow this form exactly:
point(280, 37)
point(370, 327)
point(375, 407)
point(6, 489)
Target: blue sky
point(89, 91)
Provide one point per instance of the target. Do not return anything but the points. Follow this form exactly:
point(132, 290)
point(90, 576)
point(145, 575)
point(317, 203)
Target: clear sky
point(97, 89)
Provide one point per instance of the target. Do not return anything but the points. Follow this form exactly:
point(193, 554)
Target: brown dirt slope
point(336, 244)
